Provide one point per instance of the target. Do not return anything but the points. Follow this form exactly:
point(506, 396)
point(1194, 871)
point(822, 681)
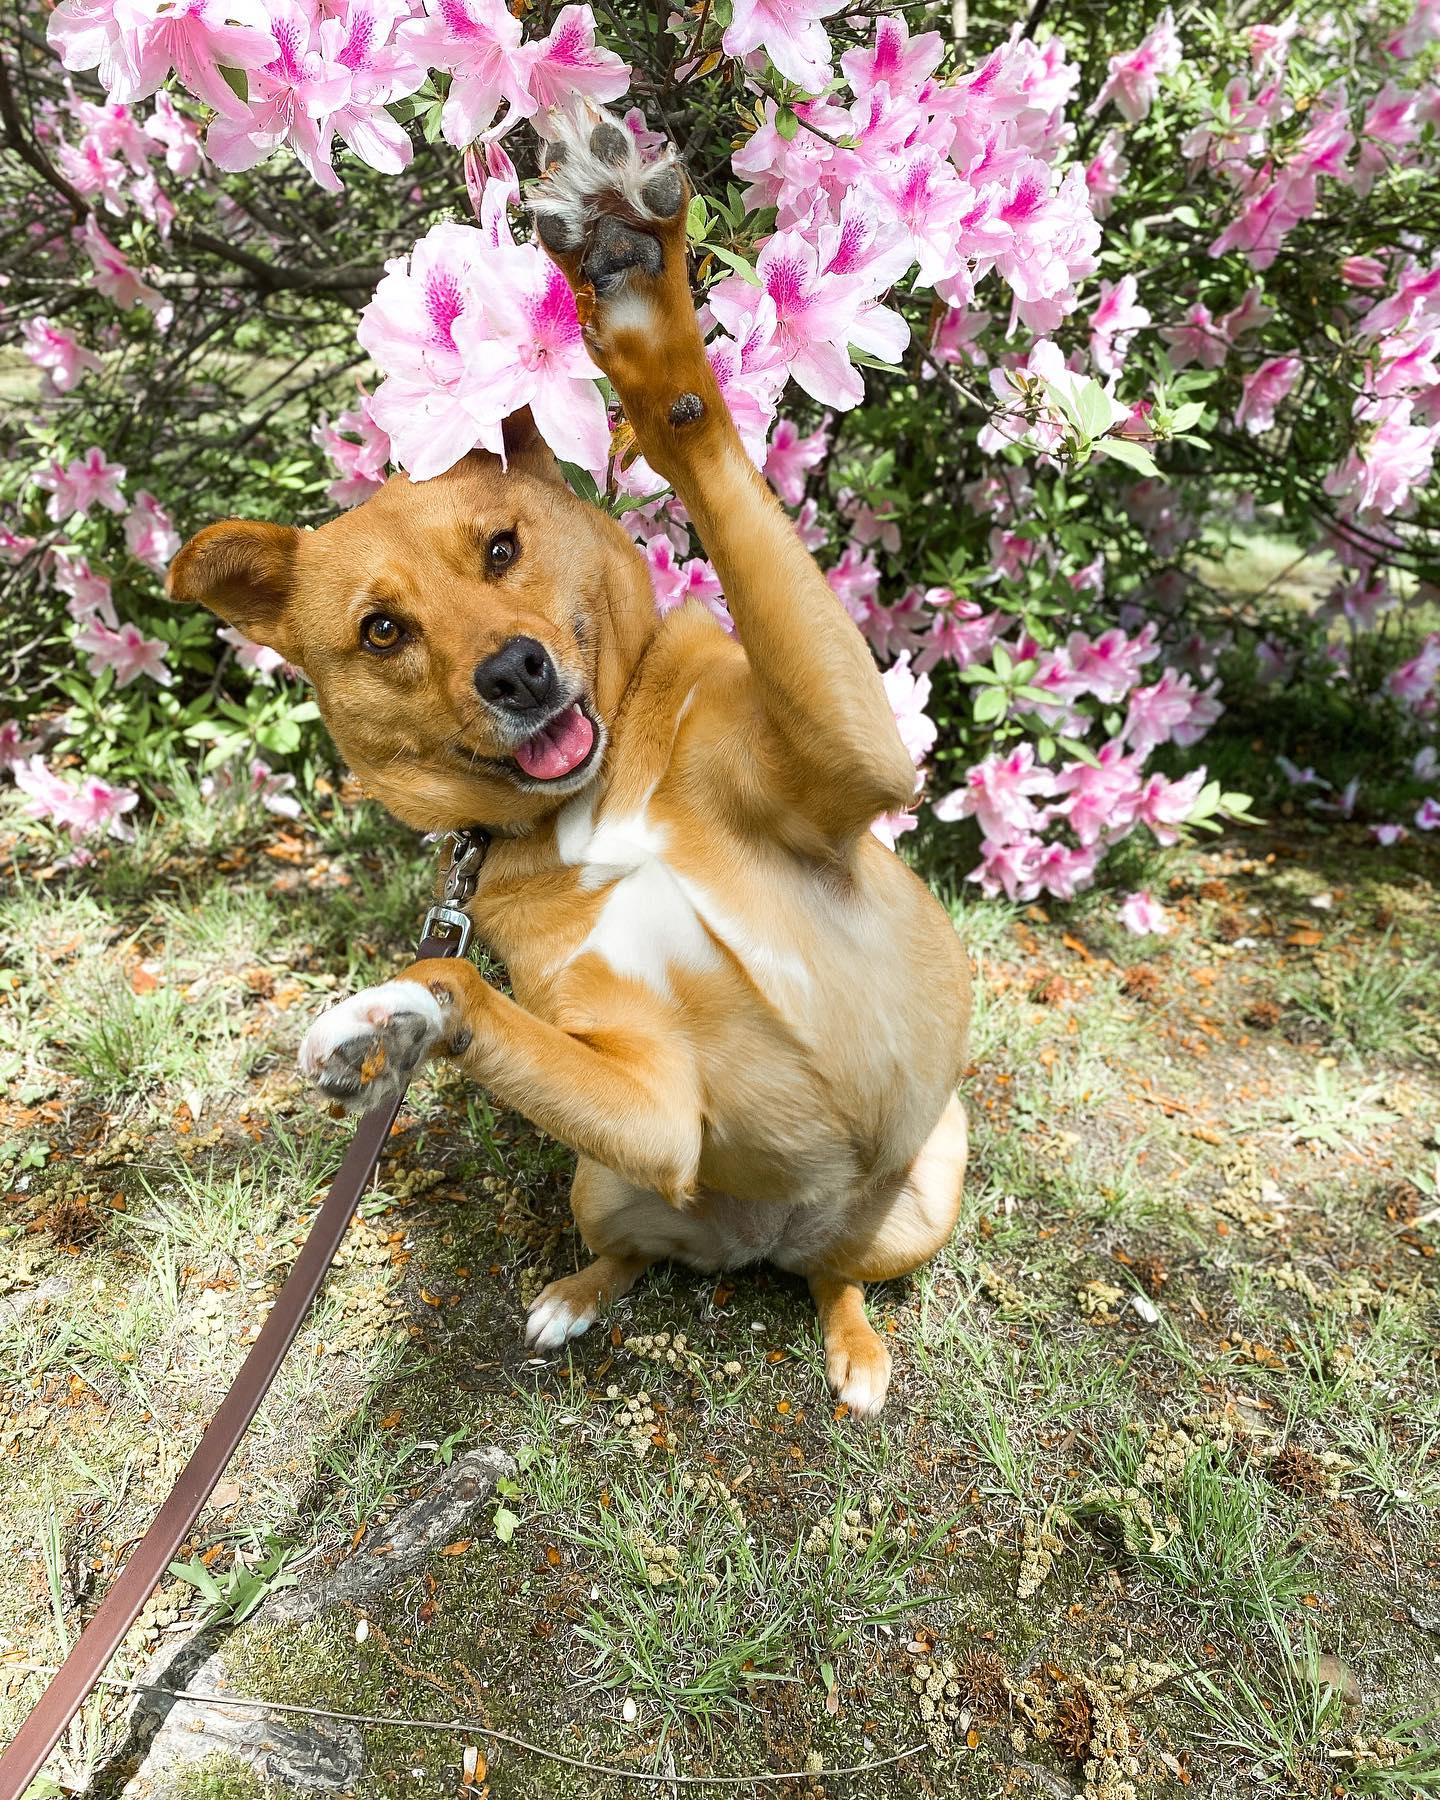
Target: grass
point(1167, 1402)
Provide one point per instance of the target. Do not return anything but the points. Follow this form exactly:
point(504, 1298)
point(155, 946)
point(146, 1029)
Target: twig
point(473, 1728)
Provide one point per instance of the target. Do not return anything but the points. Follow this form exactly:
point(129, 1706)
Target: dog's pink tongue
point(562, 746)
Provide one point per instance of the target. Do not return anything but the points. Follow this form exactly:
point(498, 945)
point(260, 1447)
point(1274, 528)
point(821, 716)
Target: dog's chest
point(658, 919)
point(649, 925)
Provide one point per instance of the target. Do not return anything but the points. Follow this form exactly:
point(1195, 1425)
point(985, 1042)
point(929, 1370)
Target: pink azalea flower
point(1426, 763)
point(87, 481)
point(287, 99)
point(82, 808)
point(1250, 315)
point(790, 34)
point(127, 651)
point(1362, 271)
point(1135, 75)
point(1413, 683)
point(57, 352)
point(901, 63)
point(263, 662)
point(869, 527)
point(996, 792)
point(1104, 796)
point(408, 329)
point(177, 136)
point(1113, 324)
point(380, 71)
point(1109, 666)
point(1164, 804)
point(1298, 777)
point(89, 593)
point(1171, 711)
point(93, 173)
point(1054, 241)
point(790, 457)
point(1010, 868)
point(149, 534)
point(115, 277)
point(1428, 817)
point(1105, 173)
point(814, 318)
point(749, 375)
point(1263, 390)
point(273, 791)
point(961, 631)
point(909, 695)
point(359, 451)
point(955, 336)
point(14, 546)
point(15, 747)
point(1388, 835)
point(893, 631)
point(856, 581)
point(197, 39)
point(1392, 458)
point(572, 66)
point(479, 43)
point(1144, 916)
point(1064, 872)
point(525, 349)
point(1198, 339)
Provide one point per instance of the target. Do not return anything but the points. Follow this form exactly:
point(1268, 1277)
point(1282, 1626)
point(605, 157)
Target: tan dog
point(744, 1014)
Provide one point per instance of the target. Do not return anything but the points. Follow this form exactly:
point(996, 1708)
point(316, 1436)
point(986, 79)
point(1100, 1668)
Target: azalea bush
point(1027, 330)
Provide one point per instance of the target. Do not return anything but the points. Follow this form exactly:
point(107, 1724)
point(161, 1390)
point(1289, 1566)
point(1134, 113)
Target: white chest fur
point(649, 924)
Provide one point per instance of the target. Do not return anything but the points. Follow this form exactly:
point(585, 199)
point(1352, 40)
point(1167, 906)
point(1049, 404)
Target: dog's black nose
point(519, 677)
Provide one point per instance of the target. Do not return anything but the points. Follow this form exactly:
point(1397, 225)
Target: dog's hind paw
point(607, 215)
point(362, 1053)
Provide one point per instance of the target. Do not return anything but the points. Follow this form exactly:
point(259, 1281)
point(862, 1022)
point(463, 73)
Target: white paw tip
point(863, 1388)
point(554, 1320)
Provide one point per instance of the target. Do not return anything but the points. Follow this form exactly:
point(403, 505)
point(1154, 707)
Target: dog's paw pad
point(859, 1376)
point(600, 199)
point(557, 1314)
point(363, 1052)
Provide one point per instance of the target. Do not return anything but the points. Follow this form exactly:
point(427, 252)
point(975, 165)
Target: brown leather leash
point(446, 932)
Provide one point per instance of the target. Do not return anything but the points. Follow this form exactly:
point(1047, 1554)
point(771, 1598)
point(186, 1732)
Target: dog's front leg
point(617, 229)
point(628, 1102)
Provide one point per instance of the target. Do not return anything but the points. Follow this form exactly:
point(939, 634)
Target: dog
point(743, 1013)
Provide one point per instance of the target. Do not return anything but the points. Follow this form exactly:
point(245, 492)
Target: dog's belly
point(720, 1232)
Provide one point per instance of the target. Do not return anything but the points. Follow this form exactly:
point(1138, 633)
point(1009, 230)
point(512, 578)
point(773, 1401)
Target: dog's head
point(468, 637)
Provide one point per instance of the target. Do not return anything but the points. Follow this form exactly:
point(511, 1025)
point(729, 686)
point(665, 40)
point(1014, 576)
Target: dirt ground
point(1153, 1503)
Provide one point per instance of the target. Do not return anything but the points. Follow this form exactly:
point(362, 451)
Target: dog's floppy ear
point(527, 451)
point(243, 569)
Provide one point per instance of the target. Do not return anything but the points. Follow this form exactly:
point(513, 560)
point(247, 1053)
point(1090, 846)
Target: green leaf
point(737, 263)
point(990, 702)
point(786, 124)
point(1073, 747)
point(1126, 450)
point(1187, 415)
point(1000, 657)
point(697, 220)
point(1093, 406)
point(505, 1523)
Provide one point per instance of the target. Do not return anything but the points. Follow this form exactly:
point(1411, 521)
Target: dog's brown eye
point(381, 632)
point(501, 551)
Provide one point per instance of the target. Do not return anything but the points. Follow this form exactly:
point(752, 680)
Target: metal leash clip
point(468, 850)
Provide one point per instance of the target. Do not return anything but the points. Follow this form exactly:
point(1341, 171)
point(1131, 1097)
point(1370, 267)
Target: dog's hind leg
point(832, 759)
point(887, 1238)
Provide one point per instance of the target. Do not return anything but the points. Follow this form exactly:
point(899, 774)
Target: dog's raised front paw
point(603, 211)
point(363, 1052)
